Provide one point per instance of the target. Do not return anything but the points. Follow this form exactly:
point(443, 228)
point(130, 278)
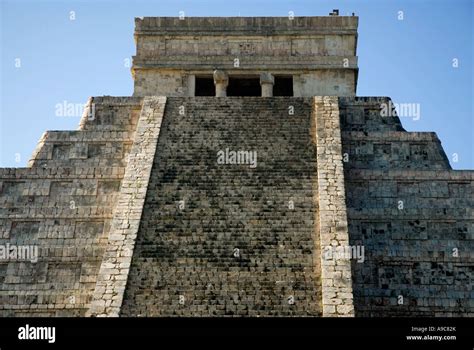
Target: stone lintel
point(291, 63)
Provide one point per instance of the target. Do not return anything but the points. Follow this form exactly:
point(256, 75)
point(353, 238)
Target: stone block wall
point(411, 212)
point(319, 52)
point(172, 231)
point(62, 204)
point(336, 82)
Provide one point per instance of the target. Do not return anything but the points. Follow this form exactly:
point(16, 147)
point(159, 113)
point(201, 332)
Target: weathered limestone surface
point(267, 81)
point(133, 214)
point(228, 239)
point(221, 80)
point(336, 277)
point(413, 215)
point(63, 204)
point(319, 52)
point(113, 273)
point(76, 203)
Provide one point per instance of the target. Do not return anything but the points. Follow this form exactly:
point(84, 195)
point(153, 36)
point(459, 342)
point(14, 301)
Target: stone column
point(221, 80)
point(191, 85)
point(266, 82)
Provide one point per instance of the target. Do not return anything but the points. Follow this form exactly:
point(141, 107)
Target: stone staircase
point(229, 239)
point(238, 239)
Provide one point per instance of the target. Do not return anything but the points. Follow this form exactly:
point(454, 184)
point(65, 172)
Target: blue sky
point(410, 60)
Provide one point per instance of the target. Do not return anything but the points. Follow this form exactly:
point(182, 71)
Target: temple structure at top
point(246, 56)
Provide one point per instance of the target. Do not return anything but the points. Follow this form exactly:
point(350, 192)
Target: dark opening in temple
point(205, 86)
point(283, 86)
point(244, 87)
